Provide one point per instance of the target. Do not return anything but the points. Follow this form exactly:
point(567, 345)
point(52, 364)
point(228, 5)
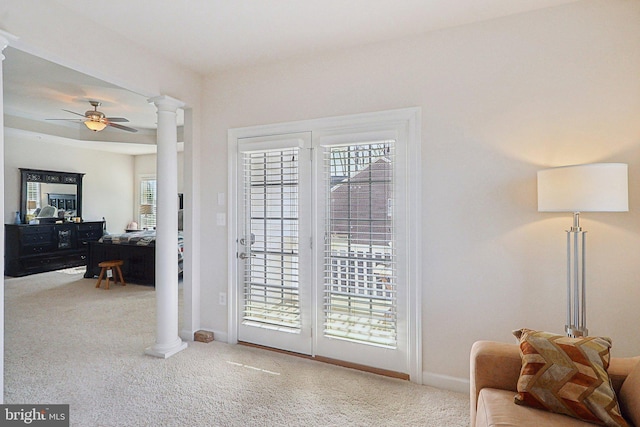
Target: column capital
point(166, 103)
point(5, 40)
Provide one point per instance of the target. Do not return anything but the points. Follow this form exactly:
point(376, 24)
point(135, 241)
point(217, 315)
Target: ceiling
point(36, 90)
point(209, 36)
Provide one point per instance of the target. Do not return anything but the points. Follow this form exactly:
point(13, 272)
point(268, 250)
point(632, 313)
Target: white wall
point(108, 183)
point(57, 34)
point(146, 164)
point(500, 100)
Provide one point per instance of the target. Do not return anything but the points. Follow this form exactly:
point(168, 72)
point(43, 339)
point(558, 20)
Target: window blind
point(271, 186)
point(33, 194)
point(359, 258)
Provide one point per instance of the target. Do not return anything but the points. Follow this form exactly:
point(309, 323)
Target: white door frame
point(409, 120)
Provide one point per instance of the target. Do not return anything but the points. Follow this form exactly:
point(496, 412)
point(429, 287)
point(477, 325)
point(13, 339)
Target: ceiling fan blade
point(117, 119)
point(73, 112)
point(69, 120)
point(127, 128)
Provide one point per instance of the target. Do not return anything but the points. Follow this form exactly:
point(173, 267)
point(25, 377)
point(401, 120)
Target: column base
point(165, 352)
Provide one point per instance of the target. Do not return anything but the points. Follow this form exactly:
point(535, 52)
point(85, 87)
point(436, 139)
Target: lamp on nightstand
point(31, 208)
point(144, 211)
point(596, 187)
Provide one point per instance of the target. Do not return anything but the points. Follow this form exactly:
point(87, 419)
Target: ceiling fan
point(97, 121)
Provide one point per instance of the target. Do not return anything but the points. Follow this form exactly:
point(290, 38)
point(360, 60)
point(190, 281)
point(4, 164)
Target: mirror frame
point(49, 177)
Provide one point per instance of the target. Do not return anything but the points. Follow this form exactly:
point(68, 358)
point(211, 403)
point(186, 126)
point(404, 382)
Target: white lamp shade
point(595, 187)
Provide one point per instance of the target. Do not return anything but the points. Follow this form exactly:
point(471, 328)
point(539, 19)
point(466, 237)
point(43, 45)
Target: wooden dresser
point(37, 248)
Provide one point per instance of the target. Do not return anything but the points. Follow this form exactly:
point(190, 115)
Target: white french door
point(274, 254)
point(325, 261)
point(361, 291)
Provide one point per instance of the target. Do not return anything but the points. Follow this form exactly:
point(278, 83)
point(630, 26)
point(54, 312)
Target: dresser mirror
point(50, 195)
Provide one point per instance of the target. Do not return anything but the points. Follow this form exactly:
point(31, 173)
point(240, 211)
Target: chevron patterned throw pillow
point(567, 376)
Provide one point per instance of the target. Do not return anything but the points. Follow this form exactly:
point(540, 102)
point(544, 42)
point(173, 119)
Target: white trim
point(352, 122)
point(188, 335)
point(191, 226)
point(220, 336)
point(446, 382)
point(365, 122)
point(5, 39)
point(414, 212)
point(269, 144)
point(232, 233)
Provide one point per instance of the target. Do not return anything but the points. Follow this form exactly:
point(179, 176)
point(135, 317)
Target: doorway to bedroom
point(323, 264)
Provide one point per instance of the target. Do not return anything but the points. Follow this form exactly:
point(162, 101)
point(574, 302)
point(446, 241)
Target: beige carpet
point(67, 342)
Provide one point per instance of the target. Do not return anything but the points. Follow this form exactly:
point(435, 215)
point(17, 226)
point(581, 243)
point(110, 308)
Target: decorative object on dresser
point(37, 248)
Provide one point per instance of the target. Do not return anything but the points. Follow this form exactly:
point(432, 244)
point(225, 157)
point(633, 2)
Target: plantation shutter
point(271, 189)
point(359, 257)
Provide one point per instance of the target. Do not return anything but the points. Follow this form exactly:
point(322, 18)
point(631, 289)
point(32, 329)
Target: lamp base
point(576, 332)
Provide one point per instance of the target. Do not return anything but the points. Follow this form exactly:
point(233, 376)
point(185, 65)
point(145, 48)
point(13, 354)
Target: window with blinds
point(33, 197)
point(359, 257)
point(271, 294)
point(147, 207)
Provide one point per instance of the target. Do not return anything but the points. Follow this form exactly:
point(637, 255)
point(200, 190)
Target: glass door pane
point(359, 258)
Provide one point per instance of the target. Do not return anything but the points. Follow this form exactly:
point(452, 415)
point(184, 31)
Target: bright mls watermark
point(34, 415)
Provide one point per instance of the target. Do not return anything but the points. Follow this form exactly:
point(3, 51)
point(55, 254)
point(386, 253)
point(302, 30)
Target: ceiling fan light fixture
point(95, 126)
point(96, 120)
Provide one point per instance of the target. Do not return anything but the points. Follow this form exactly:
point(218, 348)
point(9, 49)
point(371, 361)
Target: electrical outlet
point(222, 298)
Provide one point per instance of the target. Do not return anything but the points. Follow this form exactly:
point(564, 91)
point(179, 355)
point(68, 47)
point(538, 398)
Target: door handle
point(252, 240)
point(243, 255)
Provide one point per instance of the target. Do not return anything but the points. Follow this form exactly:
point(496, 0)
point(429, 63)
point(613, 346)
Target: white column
point(4, 42)
point(168, 342)
point(191, 276)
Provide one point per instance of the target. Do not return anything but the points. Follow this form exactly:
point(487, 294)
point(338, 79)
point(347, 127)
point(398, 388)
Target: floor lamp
point(596, 187)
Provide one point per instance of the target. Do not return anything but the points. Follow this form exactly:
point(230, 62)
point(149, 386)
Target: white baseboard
point(446, 382)
point(220, 336)
point(187, 335)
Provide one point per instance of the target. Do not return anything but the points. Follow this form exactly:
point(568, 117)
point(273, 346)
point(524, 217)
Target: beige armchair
point(495, 368)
